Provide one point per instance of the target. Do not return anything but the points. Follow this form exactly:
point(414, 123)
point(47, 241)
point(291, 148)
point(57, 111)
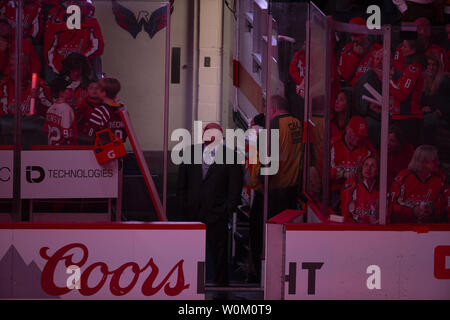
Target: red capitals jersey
point(408, 191)
point(84, 109)
point(297, 67)
point(104, 117)
point(29, 55)
point(352, 66)
point(407, 92)
point(83, 113)
point(343, 159)
point(59, 41)
point(398, 62)
point(60, 125)
point(359, 203)
point(7, 97)
point(32, 18)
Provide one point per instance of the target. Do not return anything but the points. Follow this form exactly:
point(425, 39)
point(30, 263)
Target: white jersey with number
point(60, 125)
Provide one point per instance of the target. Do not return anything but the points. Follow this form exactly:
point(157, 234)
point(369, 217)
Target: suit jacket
point(212, 199)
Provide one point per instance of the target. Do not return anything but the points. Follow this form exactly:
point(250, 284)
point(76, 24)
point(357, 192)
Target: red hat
point(359, 126)
point(358, 20)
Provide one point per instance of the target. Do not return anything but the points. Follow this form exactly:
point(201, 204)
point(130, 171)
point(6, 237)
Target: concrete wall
point(139, 64)
point(210, 45)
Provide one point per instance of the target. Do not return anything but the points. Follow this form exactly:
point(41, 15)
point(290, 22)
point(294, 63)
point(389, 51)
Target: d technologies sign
point(67, 174)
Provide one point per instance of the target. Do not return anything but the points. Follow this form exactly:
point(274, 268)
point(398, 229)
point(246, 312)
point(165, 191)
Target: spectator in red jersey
point(357, 56)
point(360, 197)
point(8, 47)
point(297, 69)
point(60, 124)
point(107, 115)
point(406, 108)
point(347, 154)
point(295, 86)
point(31, 21)
point(435, 99)
point(41, 93)
point(84, 109)
point(418, 193)
point(400, 153)
point(59, 41)
point(424, 35)
point(341, 113)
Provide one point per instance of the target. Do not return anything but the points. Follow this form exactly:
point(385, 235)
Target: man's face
point(211, 133)
point(432, 67)
point(430, 166)
point(358, 38)
point(273, 111)
point(393, 143)
point(378, 59)
point(341, 102)
point(68, 94)
point(423, 29)
point(93, 90)
point(370, 168)
point(353, 139)
point(75, 75)
point(406, 49)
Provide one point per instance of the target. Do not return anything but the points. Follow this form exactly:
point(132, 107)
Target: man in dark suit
point(210, 193)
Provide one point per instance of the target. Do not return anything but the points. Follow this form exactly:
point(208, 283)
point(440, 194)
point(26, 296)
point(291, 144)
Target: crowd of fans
point(70, 99)
point(418, 112)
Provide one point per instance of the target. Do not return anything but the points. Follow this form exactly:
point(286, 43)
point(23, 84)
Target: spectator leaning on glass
point(419, 194)
point(360, 197)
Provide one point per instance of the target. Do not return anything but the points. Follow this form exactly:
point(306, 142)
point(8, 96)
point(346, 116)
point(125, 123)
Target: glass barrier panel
point(78, 68)
point(316, 92)
point(356, 122)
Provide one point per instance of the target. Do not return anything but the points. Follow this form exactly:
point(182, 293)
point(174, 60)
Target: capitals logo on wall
point(152, 23)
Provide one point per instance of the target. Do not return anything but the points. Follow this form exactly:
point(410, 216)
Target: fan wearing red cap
point(358, 55)
point(348, 151)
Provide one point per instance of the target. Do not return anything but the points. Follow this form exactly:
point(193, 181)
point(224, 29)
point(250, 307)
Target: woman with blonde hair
point(435, 98)
point(419, 193)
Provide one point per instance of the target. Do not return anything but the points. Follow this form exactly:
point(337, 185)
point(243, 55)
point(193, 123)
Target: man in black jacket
point(210, 193)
